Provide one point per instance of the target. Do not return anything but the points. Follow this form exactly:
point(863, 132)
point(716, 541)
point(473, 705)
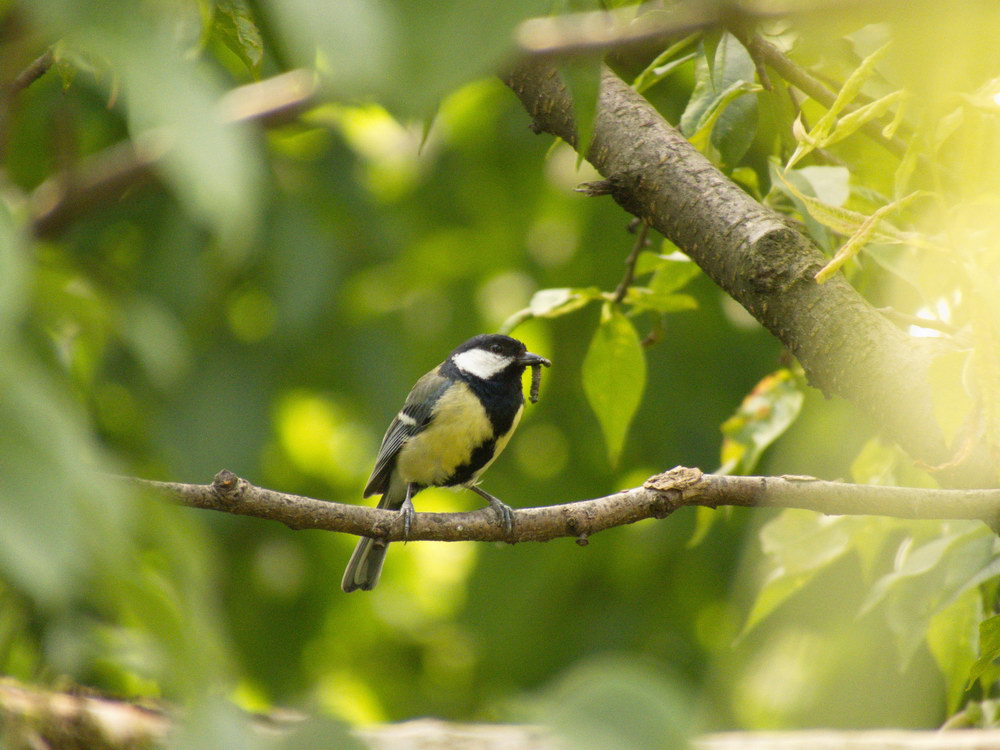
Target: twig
point(514, 320)
point(655, 335)
point(915, 320)
point(38, 67)
point(660, 496)
point(633, 257)
point(104, 176)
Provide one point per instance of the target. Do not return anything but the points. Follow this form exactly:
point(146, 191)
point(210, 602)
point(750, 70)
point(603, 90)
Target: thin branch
point(660, 496)
point(633, 257)
point(103, 177)
point(594, 32)
point(38, 67)
point(907, 319)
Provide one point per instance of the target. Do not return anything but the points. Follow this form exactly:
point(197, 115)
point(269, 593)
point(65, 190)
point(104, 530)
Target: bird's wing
point(411, 420)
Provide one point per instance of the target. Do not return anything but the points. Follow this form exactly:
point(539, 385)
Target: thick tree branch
point(638, 26)
point(103, 177)
point(847, 348)
point(660, 496)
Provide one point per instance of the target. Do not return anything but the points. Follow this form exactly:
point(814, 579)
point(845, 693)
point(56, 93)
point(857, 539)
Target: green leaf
point(13, 273)
point(927, 580)
point(614, 376)
point(649, 299)
point(406, 55)
point(551, 303)
point(673, 275)
point(850, 122)
point(710, 42)
point(953, 637)
point(704, 519)
point(235, 26)
point(660, 68)
point(582, 76)
point(769, 409)
point(717, 112)
point(831, 185)
point(800, 541)
point(616, 702)
point(989, 647)
point(952, 404)
point(862, 236)
point(661, 72)
point(817, 137)
point(778, 587)
point(649, 261)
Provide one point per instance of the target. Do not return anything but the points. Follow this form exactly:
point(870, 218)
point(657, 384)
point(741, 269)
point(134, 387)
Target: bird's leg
point(505, 515)
point(408, 511)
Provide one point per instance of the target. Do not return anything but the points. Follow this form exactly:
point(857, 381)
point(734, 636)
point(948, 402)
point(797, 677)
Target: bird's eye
point(496, 348)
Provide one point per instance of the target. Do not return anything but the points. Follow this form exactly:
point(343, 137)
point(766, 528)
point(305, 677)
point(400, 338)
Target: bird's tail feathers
point(365, 566)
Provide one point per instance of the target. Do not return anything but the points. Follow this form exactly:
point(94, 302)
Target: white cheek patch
point(480, 363)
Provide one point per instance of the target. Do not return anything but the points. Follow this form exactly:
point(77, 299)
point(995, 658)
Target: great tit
point(455, 422)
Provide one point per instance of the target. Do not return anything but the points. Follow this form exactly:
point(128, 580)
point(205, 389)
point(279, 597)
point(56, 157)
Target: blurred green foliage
point(267, 306)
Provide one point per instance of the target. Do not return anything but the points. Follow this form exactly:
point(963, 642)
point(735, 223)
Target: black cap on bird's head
point(489, 354)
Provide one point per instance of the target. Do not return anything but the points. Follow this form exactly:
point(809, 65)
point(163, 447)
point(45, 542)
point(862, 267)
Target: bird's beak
point(532, 360)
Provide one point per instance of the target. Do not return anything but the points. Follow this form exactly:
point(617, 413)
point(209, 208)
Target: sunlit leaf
point(614, 377)
point(952, 638)
point(767, 411)
point(852, 86)
point(862, 237)
point(831, 185)
point(850, 122)
point(989, 647)
point(236, 26)
point(952, 404)
point(551, 303)
point(926, 580)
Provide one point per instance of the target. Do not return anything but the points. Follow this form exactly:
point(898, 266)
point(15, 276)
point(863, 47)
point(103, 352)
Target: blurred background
point(265, 303)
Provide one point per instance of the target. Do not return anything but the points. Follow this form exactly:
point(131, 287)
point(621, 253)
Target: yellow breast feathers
point(458, 427)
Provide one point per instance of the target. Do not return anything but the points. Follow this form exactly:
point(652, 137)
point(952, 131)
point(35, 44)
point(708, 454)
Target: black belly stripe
point(479, 458)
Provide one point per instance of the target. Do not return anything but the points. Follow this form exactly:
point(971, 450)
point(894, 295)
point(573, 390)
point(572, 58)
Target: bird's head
point(492, 356)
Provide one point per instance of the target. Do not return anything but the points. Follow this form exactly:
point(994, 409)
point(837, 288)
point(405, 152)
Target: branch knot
point(678, 478)
point(228, 487)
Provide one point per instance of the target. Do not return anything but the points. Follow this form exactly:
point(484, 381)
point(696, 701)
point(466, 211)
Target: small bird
point(455, 422)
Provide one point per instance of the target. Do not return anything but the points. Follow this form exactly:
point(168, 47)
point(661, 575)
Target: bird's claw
point(505, 514)
point(408, 512)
